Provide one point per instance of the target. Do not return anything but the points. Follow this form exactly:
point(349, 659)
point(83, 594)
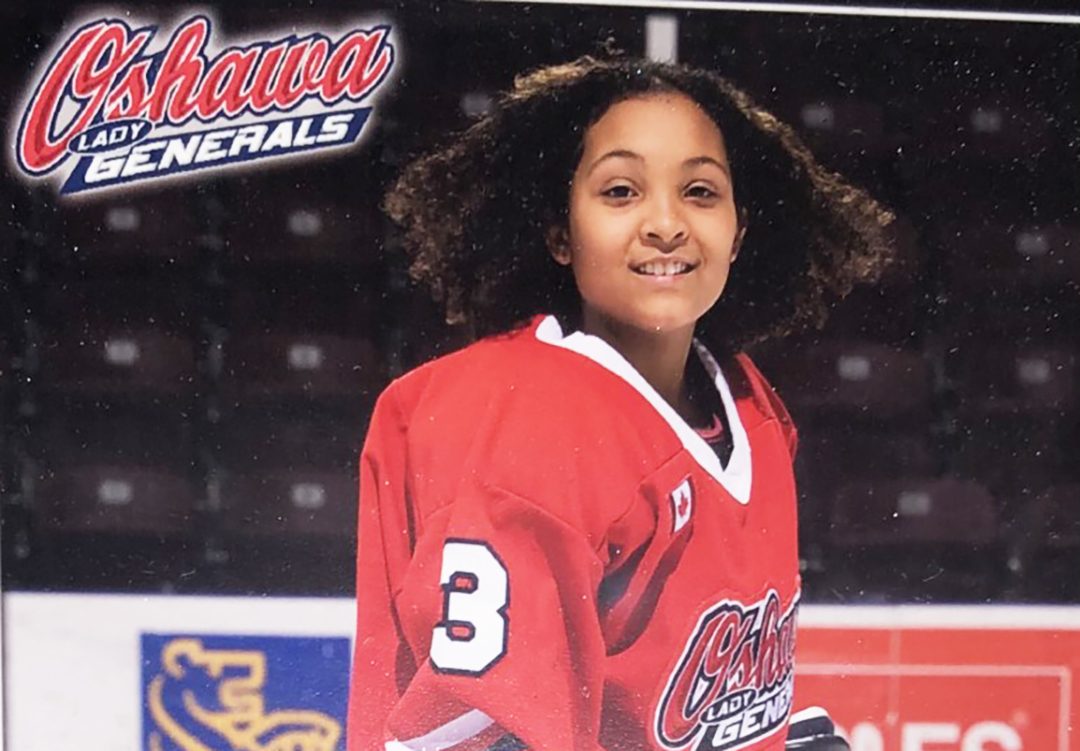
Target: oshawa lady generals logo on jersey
point(733, 685)
point(125, 113)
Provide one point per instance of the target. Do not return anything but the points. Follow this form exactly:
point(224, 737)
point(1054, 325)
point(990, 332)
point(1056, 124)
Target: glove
point(811, 729)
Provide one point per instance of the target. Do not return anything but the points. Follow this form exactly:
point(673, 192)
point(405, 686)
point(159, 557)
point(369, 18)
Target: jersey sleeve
point(484, 635)
point(375, 677)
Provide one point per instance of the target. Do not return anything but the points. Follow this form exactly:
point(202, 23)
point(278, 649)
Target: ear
point(558, 244)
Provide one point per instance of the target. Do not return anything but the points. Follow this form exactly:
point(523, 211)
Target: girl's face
point(653, 222)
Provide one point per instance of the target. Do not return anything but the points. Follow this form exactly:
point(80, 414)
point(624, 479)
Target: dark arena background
point(187, 368)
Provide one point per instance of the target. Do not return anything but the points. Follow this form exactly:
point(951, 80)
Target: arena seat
point(121, 339)
point(287, 490)
point(884, 314)
point(115, 502)
point(831, 453)
point(994, 126)
point(317, 216)
point(841, 123)
point(118, 363)
point(160, 228)
point(299, 502)
point(124, 499)
point(996, 254)
point(285, 366)
point(1005, 377)
point(919, 538)
point(858, 378)
point(834, 452)
point(817, 100)
point(1016, 456)
point(914, 510)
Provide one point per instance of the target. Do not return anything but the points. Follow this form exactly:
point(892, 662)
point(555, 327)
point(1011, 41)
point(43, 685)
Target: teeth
point(663, 268)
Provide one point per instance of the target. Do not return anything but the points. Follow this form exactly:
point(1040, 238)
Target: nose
point(663, 227)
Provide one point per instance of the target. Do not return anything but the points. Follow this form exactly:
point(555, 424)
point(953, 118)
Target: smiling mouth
point(664, 268)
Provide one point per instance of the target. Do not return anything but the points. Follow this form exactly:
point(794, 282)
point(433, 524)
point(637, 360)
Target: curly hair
point(476, 212)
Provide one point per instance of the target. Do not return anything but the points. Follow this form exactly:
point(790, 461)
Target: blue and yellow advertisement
point(239, 693)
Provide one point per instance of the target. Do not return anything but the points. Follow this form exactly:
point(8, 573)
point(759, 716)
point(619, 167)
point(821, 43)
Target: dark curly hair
point(477, 212)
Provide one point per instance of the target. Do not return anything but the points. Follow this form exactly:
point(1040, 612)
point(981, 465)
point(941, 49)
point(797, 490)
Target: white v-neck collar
point(737, 475)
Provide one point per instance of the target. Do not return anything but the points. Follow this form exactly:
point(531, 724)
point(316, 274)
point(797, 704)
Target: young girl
point(579, 531)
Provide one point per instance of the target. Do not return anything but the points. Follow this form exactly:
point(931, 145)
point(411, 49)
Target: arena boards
point(895, 677)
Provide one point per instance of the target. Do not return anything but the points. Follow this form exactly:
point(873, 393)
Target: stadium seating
point(158, 228)
point(998, 255)
point(834, 452)
point(1010, 381)
point(294, 375)
point(281, 365)
point(860, 379)
point(114, 497)
point(913, 510)
point(286, 485)
point(318, 216)
point(924, 539)
point(831, 453)
point(110, 434)
point(120, 340)
point(196, 361)
point(843, 123)
point(119, 364)
point(1016, 458)
point(979, 123)
point(1004, 377)
point(292, 502)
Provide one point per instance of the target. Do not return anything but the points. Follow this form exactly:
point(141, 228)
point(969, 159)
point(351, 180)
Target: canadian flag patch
point(682, 504)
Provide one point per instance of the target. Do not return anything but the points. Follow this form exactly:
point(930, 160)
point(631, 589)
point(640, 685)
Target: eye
point(700, 190)
point(618, 192)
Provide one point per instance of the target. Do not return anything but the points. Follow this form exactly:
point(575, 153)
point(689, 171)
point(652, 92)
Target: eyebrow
point(627, 154)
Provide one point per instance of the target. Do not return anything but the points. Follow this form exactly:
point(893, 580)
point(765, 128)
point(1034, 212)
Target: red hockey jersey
point(551, 558)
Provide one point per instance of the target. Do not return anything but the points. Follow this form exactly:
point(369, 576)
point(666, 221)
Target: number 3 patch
point(472, 635)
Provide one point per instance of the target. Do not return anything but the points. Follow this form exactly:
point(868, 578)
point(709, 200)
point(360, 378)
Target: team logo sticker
point(121, 104)
point(733, 683)
point(238, 693)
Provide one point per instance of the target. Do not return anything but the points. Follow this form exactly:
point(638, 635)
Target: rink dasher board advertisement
point(897, 678)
